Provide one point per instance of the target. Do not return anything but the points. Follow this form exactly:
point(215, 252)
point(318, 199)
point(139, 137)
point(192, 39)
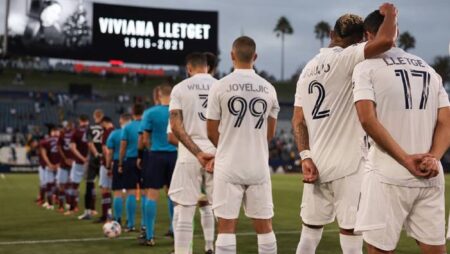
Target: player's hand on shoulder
point(209, 167)
point(204, 158)
point(310, 172)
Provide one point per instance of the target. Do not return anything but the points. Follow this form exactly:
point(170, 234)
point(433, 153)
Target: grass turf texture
point(22, 220)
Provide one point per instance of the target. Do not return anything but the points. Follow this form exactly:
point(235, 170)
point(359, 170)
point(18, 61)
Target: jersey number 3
point(317, 113)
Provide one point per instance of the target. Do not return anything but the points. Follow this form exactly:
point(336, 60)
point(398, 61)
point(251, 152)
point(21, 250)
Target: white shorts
point(323, 202)
point(187, 182)
point(50, 176)
point(104, 180)
point(62, 176)
point(228, 197)
point(77, 173)
point(41, 172)
point(386, 209)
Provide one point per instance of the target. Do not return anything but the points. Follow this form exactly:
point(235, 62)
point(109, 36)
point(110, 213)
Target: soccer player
point(41, 171)
point(242, 114)
point(79, 148)
point(105, 177)
point(328, 134)
point(94, 137)
point(127, 165)
point(62, 177)
point(212, 62)
point(112, 163)
point(403, 106)
point(52, 159)
point(161, 158)
point(187, 121)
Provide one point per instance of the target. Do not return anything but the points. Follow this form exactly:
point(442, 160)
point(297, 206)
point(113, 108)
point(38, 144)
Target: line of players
point(403, 179)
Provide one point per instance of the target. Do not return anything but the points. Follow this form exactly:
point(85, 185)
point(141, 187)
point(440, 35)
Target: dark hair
point(107, 119)
point(349, 25)
point(373, 22)
point(83, 118)
point(196, 59)
point(138, 109)
point(212, 61)
point(244, 48)
point(126, 116)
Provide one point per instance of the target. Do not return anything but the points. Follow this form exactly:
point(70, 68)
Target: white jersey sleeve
point(275, 106)
point(175, 100)
point(351, 56)
point(213, 110)
point(362, 84)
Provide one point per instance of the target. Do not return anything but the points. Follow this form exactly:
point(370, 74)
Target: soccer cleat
point(150, 242)
point(128, 230)
point(142, 236)
point(209, 252)
point(50, 207)
point(169, 234)
point(100, 220)
point(94, 213)
point(85, 216)
point(45, 205)
point(61, 210)
point(68, 213)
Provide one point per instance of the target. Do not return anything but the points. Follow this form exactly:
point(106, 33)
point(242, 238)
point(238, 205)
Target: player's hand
point(109, 173)
point(139, 163)
point(388, 9)
point(209, 167)
point(204, 158)
point(84, 159)
point(69, 162)
point(430, 164)
point(120, 169)
point(310, 172)
point(413, 164)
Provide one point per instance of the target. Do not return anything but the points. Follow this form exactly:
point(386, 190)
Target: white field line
point(95, 239)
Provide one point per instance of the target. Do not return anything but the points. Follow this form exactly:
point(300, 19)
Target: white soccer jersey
point(242, 101)
point(191, 97)
point(324, 92)
point(408, 94)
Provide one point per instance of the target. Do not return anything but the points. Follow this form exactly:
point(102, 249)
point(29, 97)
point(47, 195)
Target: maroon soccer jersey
point(51, 147)
point(106, 133)
point(81, 142)
point(64, 143)
point(41, 159)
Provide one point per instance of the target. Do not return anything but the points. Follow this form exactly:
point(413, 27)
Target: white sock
point(351, 244)
point(184, 229)
point(175, 217)
point(309, 240)
point(267, 243)
point(226, 244)
point(207, 221)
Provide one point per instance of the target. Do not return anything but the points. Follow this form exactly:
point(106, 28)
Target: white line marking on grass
point(95, 239)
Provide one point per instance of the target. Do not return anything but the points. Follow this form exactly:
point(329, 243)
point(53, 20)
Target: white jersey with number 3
point(324, 92)
point(407, 93)
point(191, 97)
point(242, 102)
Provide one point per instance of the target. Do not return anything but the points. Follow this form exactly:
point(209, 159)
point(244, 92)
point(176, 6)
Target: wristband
point(140, 153)
point(305, 154)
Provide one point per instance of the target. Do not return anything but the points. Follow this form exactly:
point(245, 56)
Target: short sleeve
point(362, 84)
point(442, 96)
point(275, 106)
point(351, 56)
point(110, 141)
point(213, 111)
point(124, 135)
point(146, 123)
point(73, 139)
point(298, 97)
point(175, 99)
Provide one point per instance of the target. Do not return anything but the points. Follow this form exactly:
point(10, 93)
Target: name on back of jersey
point(316, 70)
point(403, 61)
point(248, 87)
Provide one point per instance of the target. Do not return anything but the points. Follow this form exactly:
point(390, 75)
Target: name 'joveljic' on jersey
point(248, 87)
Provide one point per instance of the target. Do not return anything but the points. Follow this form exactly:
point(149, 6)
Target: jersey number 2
point(317, 113)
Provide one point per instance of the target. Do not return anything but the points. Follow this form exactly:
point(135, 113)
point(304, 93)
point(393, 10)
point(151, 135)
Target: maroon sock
point(74, 197)
point(42, 193)
point(50, 193)
point(68, 196)
point(106, 204)
point(61, 198)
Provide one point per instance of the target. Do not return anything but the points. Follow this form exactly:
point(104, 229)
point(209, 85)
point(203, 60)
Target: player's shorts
point(76, 173)
point(130, 175)
point(41, 172)
point(228, 197)
point(158, 169)
point(104, 181)
point(323, 202)
point(93, 169)
point(386, 209)
point(50, 175)
point(62, 176)
point(117, 179)
point(186, 185)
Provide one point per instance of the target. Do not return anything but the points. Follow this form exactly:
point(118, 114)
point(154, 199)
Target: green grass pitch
point(27, 228)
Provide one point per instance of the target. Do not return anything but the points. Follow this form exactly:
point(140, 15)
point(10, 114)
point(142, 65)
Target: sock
point(88, 195)
point(131, 210)
point(106, 204)
point(143, 218)
point(226, 244)
point(309, 240)
point(42, 190)
point(93, 198)
point(150, 217)
point(207, 221)
point(170, 206)
point(61, 198)
point(175, 218)
point(351, 244)
point(68, 195)
point(267, 243)
point(50, 193)
point(75, 197)
point(184, 229)
point(117, 208)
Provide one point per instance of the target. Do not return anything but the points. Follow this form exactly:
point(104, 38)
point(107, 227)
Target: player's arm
point(46, 159)
point(146, 139)
point(61, 152)
point(386, 35)
point(212, 127)
point(172, 139)
point(271, 128)
point(441, 137)
point(73, 148)
point(122, 150)
point(92, 149)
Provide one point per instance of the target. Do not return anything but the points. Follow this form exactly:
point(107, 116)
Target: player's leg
point(42, 186)
point(167, 179)
point(117, 187)
point(90, 189)
point(258, 205)
point(51, 187)
point(62, 178)
point(105, 186)
point(131, 179)
point(76, 175)
point(226, 238)
point(317, 210)
point(207, 219)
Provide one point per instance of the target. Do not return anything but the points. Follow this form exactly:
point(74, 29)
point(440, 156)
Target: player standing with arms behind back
point(328, 134)
point(242, 114)
point(403, 106)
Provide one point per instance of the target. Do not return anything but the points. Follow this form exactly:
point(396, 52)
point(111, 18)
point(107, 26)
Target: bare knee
point(374, 250)
point(432, 249)
point(226, 226)
point(347, 231)
point(262, 226)
point(313, 226)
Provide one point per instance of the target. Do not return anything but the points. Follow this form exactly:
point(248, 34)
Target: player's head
point(196, 63)
point(83, 120)
point(372, 23)
point(54, 131)
point(243, 52)
point(138, 109)
point(164, 93)
point(67, 125)
point(98, 115)
point(156, 100)
point(348, 30)
point(107, 122)
point(212, 62)
point(124, 119)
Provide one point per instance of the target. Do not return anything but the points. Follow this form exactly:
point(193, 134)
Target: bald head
point(244, 49)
